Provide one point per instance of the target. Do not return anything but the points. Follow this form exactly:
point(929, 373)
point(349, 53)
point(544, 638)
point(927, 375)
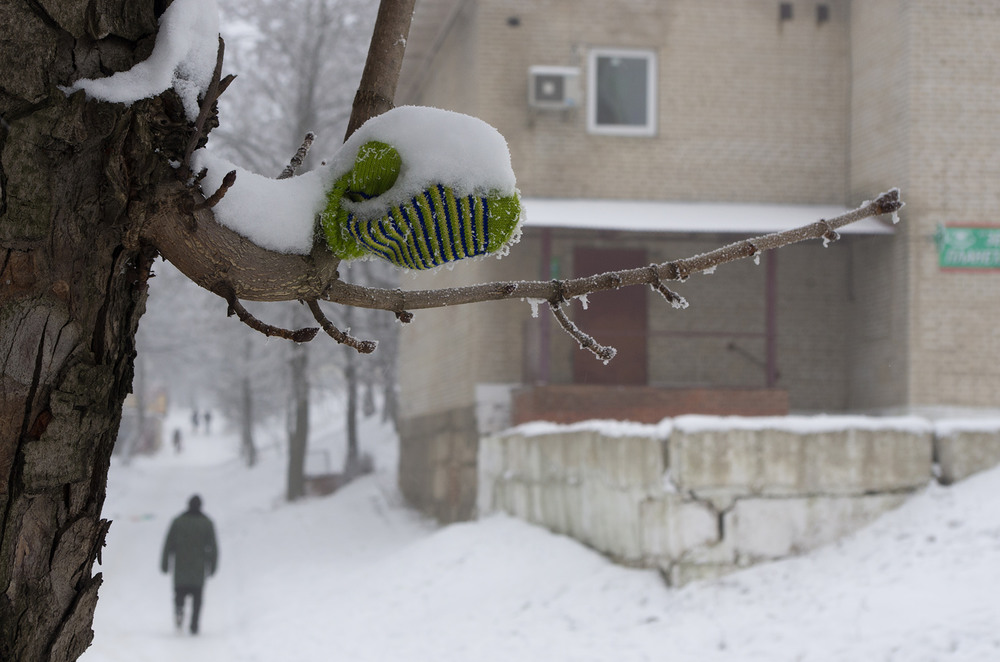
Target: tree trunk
point(351, 464)
point(75, 181)
point(248, 449)
point(77, 178)
point(298, 428)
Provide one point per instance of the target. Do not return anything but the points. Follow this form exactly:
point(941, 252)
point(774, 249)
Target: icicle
point(534, 303)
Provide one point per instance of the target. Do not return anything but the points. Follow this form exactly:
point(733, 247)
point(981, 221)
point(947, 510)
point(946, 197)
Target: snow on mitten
point(425, 187)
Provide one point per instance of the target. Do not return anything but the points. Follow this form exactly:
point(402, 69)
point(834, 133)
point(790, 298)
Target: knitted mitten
point(429, 228)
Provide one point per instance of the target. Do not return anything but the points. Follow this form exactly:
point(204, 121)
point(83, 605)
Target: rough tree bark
point(77, 179)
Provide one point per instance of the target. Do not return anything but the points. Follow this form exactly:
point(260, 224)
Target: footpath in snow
point(357, 576)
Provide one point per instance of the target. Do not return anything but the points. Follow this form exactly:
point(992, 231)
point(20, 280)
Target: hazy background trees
point(298, 63)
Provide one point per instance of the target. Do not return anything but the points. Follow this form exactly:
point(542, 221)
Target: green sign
point(969, 248)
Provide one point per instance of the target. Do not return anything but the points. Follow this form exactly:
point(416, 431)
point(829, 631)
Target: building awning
point(707, 217)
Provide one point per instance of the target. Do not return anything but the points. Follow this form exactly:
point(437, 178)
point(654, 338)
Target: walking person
point(192, 545)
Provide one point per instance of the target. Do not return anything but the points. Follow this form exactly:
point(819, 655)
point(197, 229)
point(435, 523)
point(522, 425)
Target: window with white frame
point(621, 95)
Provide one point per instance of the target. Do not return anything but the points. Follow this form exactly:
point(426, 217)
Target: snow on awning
point(650, 216)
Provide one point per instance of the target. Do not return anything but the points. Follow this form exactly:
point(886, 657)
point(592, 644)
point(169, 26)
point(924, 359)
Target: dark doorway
point(617, 318)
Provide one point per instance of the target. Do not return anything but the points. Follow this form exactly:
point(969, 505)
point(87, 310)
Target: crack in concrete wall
point(703, 503)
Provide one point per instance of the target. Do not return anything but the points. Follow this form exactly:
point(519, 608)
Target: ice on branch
point(183, 57)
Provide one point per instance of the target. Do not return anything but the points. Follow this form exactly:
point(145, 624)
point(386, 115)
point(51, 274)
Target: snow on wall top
point(699, 423)
point(607, 428)
point(802, 424)
point(951, 426)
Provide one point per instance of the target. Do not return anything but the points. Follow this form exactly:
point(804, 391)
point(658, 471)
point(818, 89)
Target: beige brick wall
point(926, 75)
point(887, 93)
point(749, 109)
point(955, 147)
point(686, 347)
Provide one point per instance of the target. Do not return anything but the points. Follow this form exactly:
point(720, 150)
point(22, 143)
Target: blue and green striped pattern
point(433, 228)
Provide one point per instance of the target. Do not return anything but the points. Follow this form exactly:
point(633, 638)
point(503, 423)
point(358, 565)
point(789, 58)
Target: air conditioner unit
point(556, 88)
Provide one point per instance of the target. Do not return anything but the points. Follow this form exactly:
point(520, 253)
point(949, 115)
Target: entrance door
point(616, 317)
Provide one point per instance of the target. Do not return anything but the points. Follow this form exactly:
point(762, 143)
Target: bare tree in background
point(89, 195)
point(300, 62)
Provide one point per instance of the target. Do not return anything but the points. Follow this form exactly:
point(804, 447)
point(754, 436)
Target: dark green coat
point(191, 543)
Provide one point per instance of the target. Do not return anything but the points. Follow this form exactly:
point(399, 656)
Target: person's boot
point(194, 628)
point(178, 619)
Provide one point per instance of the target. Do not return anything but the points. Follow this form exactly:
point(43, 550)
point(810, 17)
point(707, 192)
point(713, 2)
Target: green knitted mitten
point(433, 227)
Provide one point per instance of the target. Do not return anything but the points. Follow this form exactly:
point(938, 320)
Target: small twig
point(602, 352)
point(300, 155)
point(214, 199)
point(298, 335)
point(674, 299)
point(215, 88)
point(224, 83)
point(363, 346)
point(830, 235)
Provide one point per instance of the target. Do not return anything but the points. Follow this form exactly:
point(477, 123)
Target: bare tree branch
point(399, 300)
point(215, 88)
point(602, 352)
point(385, 57)
point(245, 316)
point(362, 346)
point(674, 299)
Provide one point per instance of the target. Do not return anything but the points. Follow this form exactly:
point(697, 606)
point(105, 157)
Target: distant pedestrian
point(208, 421)
point(192, 545)
point(177, 440)
point(194, 421)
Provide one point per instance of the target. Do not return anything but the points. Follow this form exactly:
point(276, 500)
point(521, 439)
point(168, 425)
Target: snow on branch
point(185, 227)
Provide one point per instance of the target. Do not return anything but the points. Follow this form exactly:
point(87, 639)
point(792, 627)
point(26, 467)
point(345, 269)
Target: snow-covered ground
point(356, 576)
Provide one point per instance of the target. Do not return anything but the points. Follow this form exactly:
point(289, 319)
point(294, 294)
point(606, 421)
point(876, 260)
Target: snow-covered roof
point(710, 217)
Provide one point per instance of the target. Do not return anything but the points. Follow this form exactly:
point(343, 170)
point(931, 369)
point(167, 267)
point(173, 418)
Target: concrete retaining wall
point(701, 496)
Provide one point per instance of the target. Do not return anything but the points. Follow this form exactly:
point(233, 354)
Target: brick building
point(647, 130)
